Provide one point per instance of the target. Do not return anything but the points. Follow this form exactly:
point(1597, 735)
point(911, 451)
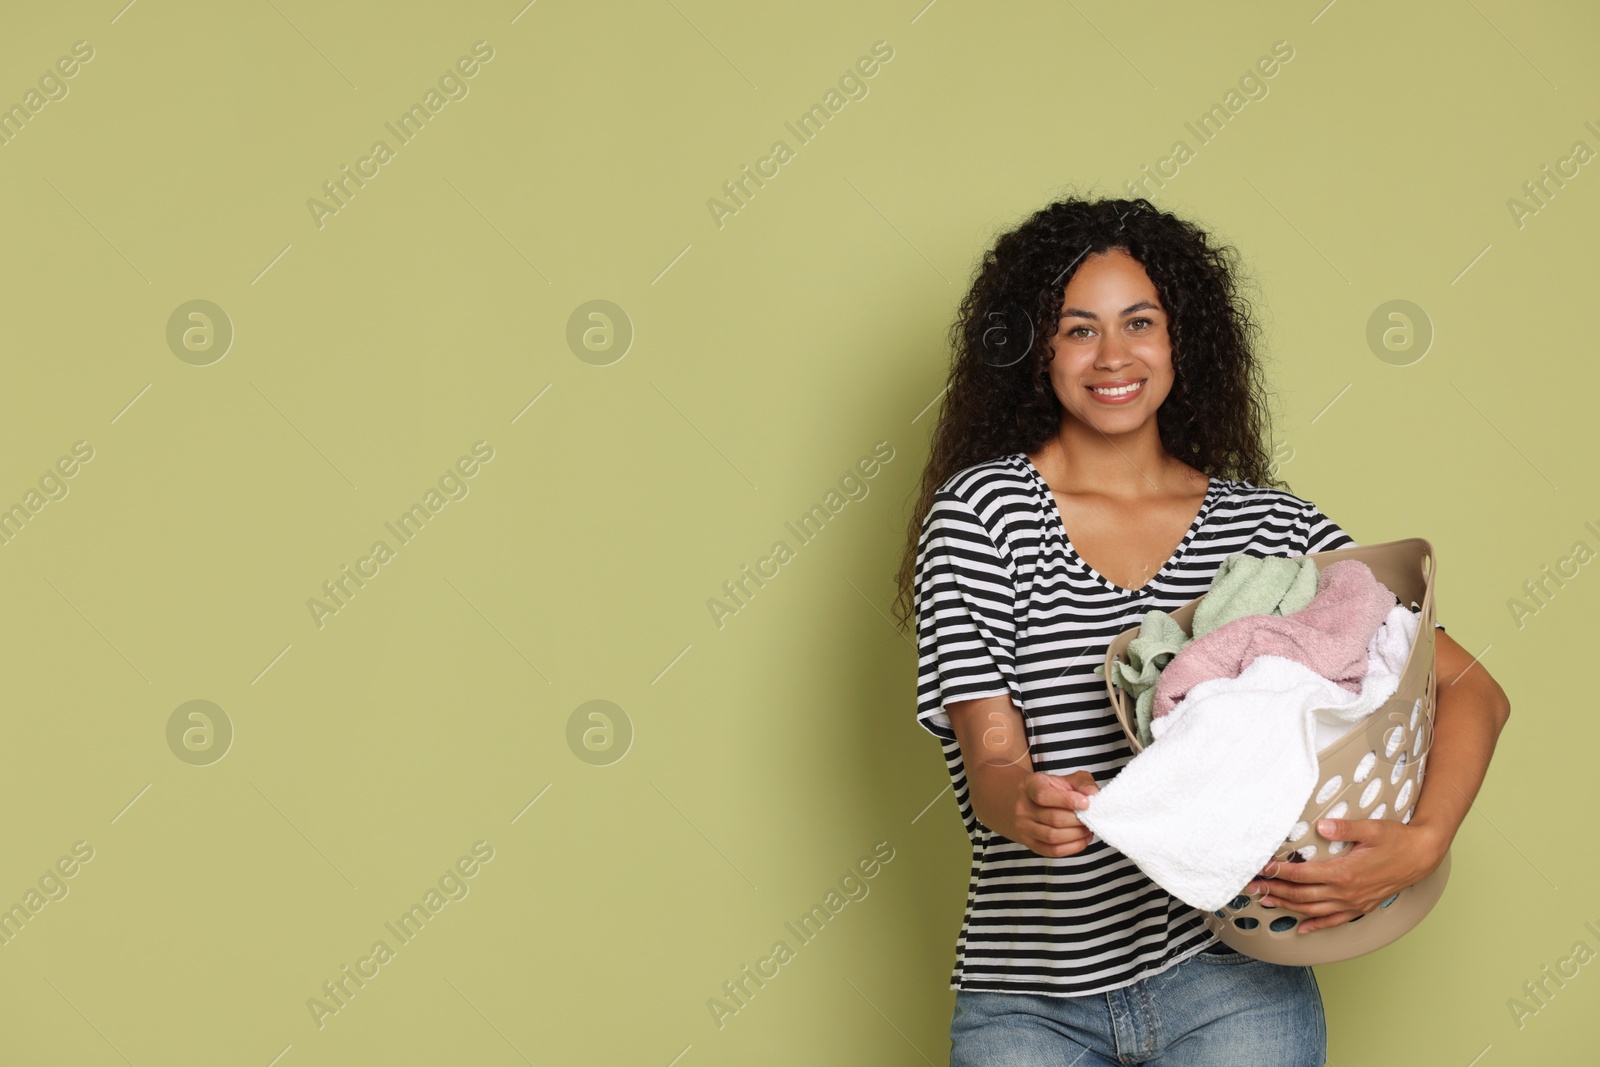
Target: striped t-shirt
point(1005, 605)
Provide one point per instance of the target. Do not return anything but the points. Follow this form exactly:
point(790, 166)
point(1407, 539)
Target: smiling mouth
point(1117, 393)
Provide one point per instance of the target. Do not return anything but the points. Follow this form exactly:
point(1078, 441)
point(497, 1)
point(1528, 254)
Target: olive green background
point(770, 754)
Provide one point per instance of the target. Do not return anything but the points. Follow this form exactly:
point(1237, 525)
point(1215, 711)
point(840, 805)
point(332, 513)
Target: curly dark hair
point(999, 399)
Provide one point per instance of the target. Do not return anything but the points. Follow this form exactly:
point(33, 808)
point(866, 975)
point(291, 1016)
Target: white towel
point(1204, 807)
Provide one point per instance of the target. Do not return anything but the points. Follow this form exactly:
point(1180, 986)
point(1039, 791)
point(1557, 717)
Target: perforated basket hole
point(1403, 798)
point(1399, 769)
point(1329, 788)
point(1336, 847)
point(1416, 710)
point(1298, 830)
point(1386, 903)
point(1240, 901)
point(1416, 746)
point(1370, 793)
point(1307, 852)
point(1282, 923)
point(1406, 817)
point(1379, 811)
point(1247, 922)
point(1337, 811)
point(1391, 741)
point(1364, 768)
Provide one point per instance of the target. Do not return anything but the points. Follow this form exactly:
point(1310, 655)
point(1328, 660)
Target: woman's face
point(1112, 335)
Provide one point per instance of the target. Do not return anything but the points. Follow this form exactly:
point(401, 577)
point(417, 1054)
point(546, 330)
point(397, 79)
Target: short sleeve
point(1322, 534)
point(966, 599)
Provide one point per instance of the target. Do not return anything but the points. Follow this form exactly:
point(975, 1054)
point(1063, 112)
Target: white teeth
point(1120, 390)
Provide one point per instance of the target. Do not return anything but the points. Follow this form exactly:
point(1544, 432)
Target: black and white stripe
point(1005, 605)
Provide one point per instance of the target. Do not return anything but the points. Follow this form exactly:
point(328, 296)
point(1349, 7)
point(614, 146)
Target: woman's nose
point(1112, 353)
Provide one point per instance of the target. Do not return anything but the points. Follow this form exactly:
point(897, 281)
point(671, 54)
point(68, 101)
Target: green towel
point(1159, 640)
point(1243, 585)
point(1252, 585)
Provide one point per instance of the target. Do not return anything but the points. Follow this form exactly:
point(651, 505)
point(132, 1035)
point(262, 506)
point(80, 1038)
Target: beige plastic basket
point(1374, 770)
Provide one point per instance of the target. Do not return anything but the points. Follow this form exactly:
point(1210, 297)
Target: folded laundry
point(1386, 657)
point(1328, 635)
point(1243, 585)
point(1204, 808)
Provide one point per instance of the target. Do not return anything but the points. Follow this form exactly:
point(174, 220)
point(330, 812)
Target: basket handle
point(1430, 575)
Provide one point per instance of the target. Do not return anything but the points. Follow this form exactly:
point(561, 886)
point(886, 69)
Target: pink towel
point(1329, 635)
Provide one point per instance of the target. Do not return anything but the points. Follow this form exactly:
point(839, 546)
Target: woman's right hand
point(1045, 812)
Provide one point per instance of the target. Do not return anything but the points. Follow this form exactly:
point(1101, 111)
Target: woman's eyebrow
point(1130, 309)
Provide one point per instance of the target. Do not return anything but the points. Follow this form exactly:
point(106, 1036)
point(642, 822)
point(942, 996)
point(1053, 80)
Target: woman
point(1102, 448)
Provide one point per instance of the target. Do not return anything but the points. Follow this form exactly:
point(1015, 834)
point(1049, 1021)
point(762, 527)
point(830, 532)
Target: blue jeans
point(1225, 1009)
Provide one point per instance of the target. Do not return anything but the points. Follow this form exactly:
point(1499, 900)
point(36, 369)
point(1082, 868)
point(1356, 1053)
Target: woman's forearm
point(1036, 810)
point(1471, 710)
point(994, 751)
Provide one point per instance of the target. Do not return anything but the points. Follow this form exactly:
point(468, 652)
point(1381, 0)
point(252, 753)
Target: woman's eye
point(1087, 330)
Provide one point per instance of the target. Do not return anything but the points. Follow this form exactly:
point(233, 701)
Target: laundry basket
point(1374, 771)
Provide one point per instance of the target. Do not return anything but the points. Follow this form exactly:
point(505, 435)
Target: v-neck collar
point(1214, 487)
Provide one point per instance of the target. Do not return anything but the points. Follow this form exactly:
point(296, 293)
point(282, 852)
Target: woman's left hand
point(1384, 857)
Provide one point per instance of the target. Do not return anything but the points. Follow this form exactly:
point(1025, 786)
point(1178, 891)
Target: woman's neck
point(1081, 459)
